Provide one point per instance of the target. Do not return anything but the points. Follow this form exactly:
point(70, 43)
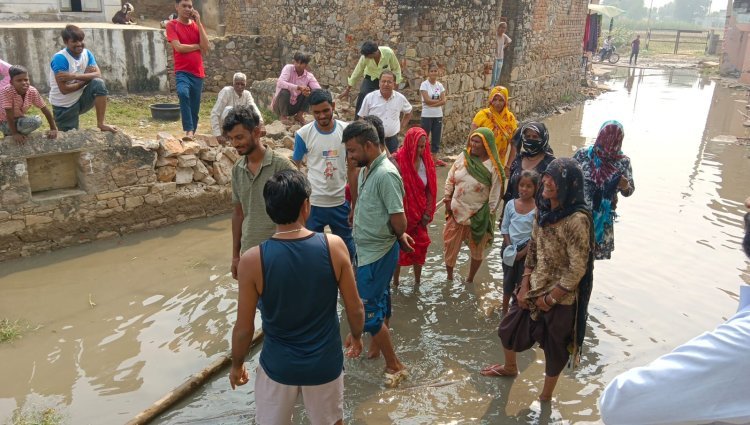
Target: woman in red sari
point(417, 169)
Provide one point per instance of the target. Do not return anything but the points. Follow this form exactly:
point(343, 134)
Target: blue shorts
point(374, 284)
point(337, 218)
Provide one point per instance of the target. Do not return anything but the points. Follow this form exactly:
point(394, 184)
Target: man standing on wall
point(293, 89)
point(76, 83)
point(374, 60)
point(388, 105)
point(250, 222)
point(189, 42)
point(231, 97)
point(379, 230)
point(320, 142)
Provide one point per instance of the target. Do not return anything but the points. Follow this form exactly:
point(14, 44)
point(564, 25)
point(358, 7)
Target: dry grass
point(131, 114)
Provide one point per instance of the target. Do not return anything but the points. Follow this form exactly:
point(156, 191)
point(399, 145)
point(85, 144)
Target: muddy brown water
point(165, 303)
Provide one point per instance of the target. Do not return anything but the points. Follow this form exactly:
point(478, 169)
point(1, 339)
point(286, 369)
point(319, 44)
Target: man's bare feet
point(300, 118)
point(110, 128)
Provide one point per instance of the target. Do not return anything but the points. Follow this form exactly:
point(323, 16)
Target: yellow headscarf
point(502, 123)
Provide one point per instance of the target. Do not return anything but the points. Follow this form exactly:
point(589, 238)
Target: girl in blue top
point(516, 229)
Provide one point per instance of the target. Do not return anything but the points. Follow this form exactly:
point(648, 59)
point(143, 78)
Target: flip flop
point(496, 370)
point(392, 380)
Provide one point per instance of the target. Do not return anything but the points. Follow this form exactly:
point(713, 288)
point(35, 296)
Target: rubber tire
point(614, 58)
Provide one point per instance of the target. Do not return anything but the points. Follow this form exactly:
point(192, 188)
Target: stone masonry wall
point(119, 186)
point(543, 64)
point(258, 57)
point(456, 34)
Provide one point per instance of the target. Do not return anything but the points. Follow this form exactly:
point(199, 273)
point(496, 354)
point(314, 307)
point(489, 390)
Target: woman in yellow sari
point(498, 118)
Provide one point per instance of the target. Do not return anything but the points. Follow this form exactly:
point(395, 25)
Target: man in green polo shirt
point(250, 222)
point(374, 60)
point(379, 230)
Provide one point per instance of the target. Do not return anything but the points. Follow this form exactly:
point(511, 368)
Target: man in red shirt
point(189, 41)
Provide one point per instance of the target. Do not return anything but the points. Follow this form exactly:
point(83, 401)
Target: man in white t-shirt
point(76, 83)
point(320, 141)
point(705, 380)
point(501, 42)
point(388, 105)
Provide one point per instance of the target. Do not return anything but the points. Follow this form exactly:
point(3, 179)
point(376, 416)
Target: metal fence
point(682, 41)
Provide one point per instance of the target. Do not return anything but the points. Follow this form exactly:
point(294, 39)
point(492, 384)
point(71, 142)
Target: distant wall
point(56, 10)
point(456, 34)
point(132, 59)
point(543, 65)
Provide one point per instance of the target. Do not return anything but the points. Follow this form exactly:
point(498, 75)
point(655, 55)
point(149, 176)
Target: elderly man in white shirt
point(705, 380)
point(231, 97)
point(388, 105)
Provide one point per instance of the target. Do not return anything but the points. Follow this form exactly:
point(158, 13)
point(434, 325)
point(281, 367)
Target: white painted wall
point(130, 57)
point(94, 10)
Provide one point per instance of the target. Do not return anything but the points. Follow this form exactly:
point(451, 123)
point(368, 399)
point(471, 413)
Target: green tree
point(689, 10)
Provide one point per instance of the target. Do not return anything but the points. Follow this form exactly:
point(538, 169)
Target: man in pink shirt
point(293, 87)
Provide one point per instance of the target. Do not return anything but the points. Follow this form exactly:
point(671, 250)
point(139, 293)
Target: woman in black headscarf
point(532, 143)
point(552, 299)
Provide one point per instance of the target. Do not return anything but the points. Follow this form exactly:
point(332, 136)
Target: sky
point(715, 4)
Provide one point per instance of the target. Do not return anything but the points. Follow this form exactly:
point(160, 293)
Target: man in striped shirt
point(15, 101)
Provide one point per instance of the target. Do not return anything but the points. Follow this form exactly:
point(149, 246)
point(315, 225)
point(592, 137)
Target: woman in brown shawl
point(553, 296)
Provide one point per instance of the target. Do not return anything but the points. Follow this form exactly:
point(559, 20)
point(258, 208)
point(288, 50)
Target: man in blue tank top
point(379, 231)
point(302, 350)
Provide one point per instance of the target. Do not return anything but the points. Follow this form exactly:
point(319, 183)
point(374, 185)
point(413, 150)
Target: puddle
point(165, 305)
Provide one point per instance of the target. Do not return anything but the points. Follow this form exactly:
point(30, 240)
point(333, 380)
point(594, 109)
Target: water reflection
point(158, 317)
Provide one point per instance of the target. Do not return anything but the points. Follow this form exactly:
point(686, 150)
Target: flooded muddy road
point(165, 304)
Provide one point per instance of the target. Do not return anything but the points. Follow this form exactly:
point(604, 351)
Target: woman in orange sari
point(417, 169)
point(498, 118)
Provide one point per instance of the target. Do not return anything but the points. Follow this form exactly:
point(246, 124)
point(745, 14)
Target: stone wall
point(118, 186)
point(258, 57)
point(456, 34)
point(132, 58)
point(543, 64)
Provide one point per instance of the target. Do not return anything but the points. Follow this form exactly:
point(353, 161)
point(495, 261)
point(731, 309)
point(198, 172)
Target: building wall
point(453, 33)
point(543, 64)
point(132, 59)
point(210, 10)
point(49, 11)
point(735, 56)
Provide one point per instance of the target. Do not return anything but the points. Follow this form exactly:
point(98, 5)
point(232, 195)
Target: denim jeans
point(67, 118)
point(189, 88)
point(434, 128)
point(496, 72)
point(24, 125)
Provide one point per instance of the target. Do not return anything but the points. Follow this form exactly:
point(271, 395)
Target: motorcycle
point(608, 55)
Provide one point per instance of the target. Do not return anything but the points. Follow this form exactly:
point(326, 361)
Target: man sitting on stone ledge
point(231, 97)
point(15, 101)
point(293, 89)
point(76, 83)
